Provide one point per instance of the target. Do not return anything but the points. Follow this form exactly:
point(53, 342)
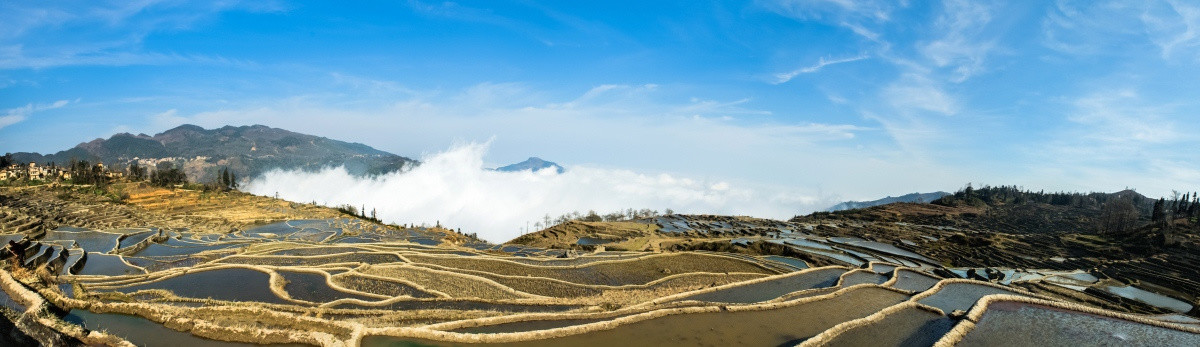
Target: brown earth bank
point(1062, 234)
point(137, 264)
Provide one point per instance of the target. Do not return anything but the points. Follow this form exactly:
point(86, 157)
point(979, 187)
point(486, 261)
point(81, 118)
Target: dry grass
point(453, 284)
point(453, 337)
point(565, 235)
point(376, 285)
point(759, 280)
point(359, 257)
point(614, 272)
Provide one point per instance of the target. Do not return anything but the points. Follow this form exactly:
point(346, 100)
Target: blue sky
point(835, 99)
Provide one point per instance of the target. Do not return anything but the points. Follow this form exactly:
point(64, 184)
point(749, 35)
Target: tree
point(1194, 207)
point(1160, 212)
point(228, 180)
point(98, 176)
point(592, 217)
point(136, 172)
point(1117, 216)
point(1182, 205)
point(168, 176)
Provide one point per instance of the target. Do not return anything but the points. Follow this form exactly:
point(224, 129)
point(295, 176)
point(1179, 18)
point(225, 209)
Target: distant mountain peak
point(533, 164)
point(185, 127)
point(912, 197)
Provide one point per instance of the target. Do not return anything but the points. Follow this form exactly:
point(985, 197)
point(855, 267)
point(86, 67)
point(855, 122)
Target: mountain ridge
point(533, 163)
point(247, 151)
point(910, 197)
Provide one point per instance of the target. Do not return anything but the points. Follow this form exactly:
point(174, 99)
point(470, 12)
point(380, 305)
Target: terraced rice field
point(907, 324)
point(1009, 321)
point(345, 282)
point(770, 288)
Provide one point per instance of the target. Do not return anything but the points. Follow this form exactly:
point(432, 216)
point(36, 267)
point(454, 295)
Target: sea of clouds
point(453, 188)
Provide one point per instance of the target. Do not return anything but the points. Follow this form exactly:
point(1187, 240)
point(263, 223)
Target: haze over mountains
point(248, 151)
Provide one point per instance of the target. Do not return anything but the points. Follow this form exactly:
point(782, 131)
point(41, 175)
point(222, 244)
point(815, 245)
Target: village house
point(32, 171)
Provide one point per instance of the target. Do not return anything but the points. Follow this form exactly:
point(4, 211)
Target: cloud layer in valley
point(454, 188)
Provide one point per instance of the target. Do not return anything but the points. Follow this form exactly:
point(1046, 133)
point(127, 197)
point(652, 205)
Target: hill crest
point(248, 151)
point(911, 197)
point(533, 163)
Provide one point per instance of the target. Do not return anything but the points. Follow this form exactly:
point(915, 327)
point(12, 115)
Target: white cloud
point(1085, 27)
point(617, 126)
point(453, 188)
point(1120, 117)
point(1118, 138)
point(960, 47)
point(1113, 27)
point(17, 56)
point(857, 16)
point(822, 9)
point(34, 36)
point(862, 31)
point(916, 93)
point(370, 85)
point(10, 119)
point(566, 30)
point(1174, 27)
point(821, 63)
point(18, 114)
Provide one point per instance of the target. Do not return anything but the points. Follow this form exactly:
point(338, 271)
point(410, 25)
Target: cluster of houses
point(33, 171)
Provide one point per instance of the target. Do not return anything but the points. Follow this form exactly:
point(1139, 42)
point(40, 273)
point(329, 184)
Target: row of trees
point(83, 172)
point(1119, 212)
point(165, 175)
point(988, 195)
point(170, 177)
point(1186, 206)
point(228, 179)
point(136, 172)
point(592, 216)
point(358, 212)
